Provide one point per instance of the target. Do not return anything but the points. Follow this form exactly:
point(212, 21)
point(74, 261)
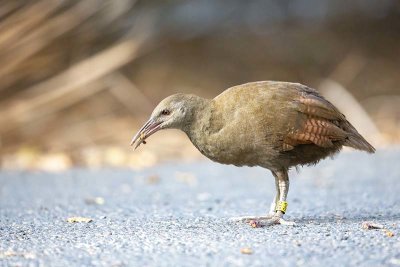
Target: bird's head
point(174, 112)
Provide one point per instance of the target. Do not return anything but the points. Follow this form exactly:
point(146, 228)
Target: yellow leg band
point(281, 206)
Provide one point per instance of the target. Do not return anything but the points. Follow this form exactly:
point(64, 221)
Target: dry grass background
point(79, 77)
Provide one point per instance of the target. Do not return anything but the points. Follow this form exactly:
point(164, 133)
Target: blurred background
point(78, 78)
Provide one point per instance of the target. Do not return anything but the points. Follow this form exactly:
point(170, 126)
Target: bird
point(271, 124)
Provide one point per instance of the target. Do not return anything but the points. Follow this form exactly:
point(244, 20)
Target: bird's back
point(275, 125)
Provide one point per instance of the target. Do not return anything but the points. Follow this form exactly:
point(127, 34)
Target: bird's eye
point(165, 112)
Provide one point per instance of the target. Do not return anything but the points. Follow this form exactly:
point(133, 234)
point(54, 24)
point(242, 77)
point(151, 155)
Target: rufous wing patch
point(317, 123)
point(314, 105)
point(314, 131)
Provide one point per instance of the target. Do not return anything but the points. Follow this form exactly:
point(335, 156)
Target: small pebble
point(255, 224)
point(388, 233)
point(247, 251)
point(78, 220)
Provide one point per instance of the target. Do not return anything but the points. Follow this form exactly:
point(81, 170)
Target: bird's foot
point(248, 219)
point(276, 219)
point(261, 221)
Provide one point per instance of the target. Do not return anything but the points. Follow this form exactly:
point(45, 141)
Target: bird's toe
point(261, 221)
point(288, 223)
point(276, 220)
point(248, 219)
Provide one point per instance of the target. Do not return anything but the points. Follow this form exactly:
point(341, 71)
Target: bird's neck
point(205, 122)
point(199, 122)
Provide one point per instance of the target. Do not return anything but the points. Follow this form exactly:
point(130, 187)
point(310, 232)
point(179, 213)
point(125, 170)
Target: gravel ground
point(178, 215)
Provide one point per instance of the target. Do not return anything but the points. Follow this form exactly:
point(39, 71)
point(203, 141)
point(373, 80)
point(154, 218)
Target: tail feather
point(355, 140)
point(358, 142)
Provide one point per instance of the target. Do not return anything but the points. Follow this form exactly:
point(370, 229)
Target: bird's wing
point(317, 122)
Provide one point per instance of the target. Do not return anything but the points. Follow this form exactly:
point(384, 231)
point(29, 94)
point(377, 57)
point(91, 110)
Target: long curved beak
point(150, 127)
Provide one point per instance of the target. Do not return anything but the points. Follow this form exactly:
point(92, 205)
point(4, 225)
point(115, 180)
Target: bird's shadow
point(346, 218)
point(329, 219)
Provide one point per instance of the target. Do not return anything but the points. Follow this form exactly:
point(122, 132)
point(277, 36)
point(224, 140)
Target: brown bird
point(275, 125)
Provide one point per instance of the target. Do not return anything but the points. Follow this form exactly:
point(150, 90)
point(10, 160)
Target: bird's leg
point(282, 181)
point(272, 208)
point(271, 214)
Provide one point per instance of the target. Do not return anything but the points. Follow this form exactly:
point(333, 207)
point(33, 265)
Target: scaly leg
point(282, 180)
point(272, 208)
point(278, 205)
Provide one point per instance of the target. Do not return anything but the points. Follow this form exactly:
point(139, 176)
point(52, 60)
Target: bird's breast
point(229, 147)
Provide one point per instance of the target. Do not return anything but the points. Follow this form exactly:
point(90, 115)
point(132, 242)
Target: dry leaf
point(78, 220)
point(371, 225)
point(246, 251)
point(10, 253)
point(388, 233)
